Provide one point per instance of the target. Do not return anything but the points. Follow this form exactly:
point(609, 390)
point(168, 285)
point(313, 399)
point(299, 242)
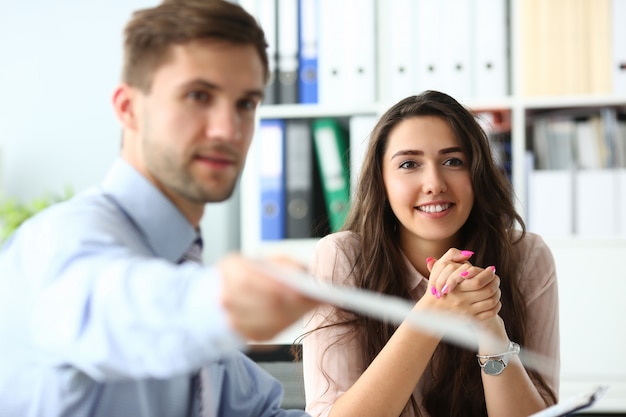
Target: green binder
point(331, 149)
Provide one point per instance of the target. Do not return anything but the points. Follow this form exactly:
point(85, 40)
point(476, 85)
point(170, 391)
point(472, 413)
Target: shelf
point(296, 111)
point(572, 101)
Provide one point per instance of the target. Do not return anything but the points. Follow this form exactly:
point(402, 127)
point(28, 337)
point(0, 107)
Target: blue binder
point(272, 179)
point(307, 51)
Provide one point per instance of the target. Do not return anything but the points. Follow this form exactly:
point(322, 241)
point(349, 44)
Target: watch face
point(494, 367)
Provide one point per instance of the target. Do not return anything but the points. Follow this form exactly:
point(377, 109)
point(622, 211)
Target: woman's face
point(427, 179)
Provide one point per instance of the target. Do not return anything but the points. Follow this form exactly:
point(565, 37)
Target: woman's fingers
point(444, 272)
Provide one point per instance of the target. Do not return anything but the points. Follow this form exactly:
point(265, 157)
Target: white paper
point(570, 405)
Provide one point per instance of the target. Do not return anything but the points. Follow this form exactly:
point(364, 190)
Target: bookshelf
point(582, 261)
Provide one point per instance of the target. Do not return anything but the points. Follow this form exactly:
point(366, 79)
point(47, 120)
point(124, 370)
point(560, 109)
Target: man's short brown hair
point(150, 33)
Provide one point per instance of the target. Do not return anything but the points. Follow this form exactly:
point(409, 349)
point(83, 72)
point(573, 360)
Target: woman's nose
point(433, 181)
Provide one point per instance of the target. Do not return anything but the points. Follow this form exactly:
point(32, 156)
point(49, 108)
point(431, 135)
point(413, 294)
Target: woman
point(432, 220)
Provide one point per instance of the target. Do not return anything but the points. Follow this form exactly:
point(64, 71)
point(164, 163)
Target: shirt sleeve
point(538, 281)
point(101, 302)
point(331, 362)
point(246, 390)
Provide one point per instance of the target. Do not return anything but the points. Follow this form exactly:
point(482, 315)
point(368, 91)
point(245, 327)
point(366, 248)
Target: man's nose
point(224, 123)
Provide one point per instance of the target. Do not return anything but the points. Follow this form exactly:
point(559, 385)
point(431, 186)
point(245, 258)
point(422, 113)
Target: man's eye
point(248, 104)
point(200, 96)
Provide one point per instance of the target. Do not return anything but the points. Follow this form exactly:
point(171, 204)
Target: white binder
point(430, 31)
point(359, 40)
point(490, 58)
point(331, 72)
point(596, 203)
point(398, 50)
point(619, 46)
point(287, 51)
point(360, 130)
point(266, 15)
point(551, 202)
point(621, 201)
point(456, 50)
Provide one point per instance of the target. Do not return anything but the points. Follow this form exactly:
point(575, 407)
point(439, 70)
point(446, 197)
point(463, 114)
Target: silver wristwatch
point(495, 364)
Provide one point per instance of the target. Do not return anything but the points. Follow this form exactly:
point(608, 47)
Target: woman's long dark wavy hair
point(456, 387)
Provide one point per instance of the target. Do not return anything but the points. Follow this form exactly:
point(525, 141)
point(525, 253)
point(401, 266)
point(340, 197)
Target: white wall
point(59, 63)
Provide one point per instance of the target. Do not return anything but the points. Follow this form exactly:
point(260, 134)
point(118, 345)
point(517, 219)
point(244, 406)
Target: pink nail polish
point(438, 295)
point(433, 290)
point(467, 253)
point(493, 268)
point(429, 259)
point(464, 274)
point(445, 289)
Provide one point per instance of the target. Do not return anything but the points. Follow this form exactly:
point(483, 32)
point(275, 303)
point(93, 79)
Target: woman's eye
point(408, 165)
point(455, 162)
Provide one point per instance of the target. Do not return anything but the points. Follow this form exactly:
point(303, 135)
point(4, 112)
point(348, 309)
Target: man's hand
point(258, 305)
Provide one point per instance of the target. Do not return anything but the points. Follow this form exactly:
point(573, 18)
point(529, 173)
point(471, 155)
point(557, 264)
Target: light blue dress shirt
point(97, 318)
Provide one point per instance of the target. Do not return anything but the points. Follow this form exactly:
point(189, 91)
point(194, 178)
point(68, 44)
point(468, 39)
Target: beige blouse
point(327, 377)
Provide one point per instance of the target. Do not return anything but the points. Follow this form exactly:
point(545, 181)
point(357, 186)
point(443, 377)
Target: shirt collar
point(415, 278)
point(166, 230)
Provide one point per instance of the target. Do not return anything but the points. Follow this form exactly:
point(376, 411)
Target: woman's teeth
point(434, 208)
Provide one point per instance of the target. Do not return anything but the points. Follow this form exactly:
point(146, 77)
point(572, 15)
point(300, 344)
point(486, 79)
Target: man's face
point(193, 129)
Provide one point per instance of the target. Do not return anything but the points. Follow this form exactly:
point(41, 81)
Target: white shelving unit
point(591, 282)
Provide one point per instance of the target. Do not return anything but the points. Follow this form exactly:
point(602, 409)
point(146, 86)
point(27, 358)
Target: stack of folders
point(320, 51)
point(573, 47)
point(305, 174)
point(577, 184)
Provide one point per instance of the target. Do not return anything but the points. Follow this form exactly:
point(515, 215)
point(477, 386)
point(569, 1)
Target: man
point(103, 311)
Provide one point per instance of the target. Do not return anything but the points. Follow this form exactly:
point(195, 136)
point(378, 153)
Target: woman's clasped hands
point(462, 288)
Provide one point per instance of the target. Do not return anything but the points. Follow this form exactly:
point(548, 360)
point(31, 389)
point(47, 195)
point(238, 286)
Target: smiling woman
point(427, 178)
point(431, 221)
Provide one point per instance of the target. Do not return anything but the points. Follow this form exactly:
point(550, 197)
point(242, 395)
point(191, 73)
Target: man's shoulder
point(88, 213)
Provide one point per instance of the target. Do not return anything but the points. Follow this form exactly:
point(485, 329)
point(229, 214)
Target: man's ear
point(125, 106)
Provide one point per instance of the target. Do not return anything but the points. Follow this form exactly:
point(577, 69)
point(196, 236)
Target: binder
point(599, 52)
point(618, 32)
point(551, 202)
point(489, 45)
point(455, 50)
point(331, 78)
point(620, 141)
point(307, 51)
point(397, 62)
point(331, 150)
point(430, 25)
point(561, 142)
point(287, 51)
point(272, 178)
point(554, 141)
point(596, 217)
point(266, 15)
point(621, 201)
point(299, 179)
point(359, 31)
point(587, 144)
point(360, 129)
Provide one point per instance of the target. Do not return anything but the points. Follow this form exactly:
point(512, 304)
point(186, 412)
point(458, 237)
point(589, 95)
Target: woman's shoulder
point(335, 254)
point(347, 241)
point(537, 266)
point(531, 246)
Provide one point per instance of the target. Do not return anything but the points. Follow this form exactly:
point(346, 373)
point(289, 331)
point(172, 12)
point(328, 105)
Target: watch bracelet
point(513, 349)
